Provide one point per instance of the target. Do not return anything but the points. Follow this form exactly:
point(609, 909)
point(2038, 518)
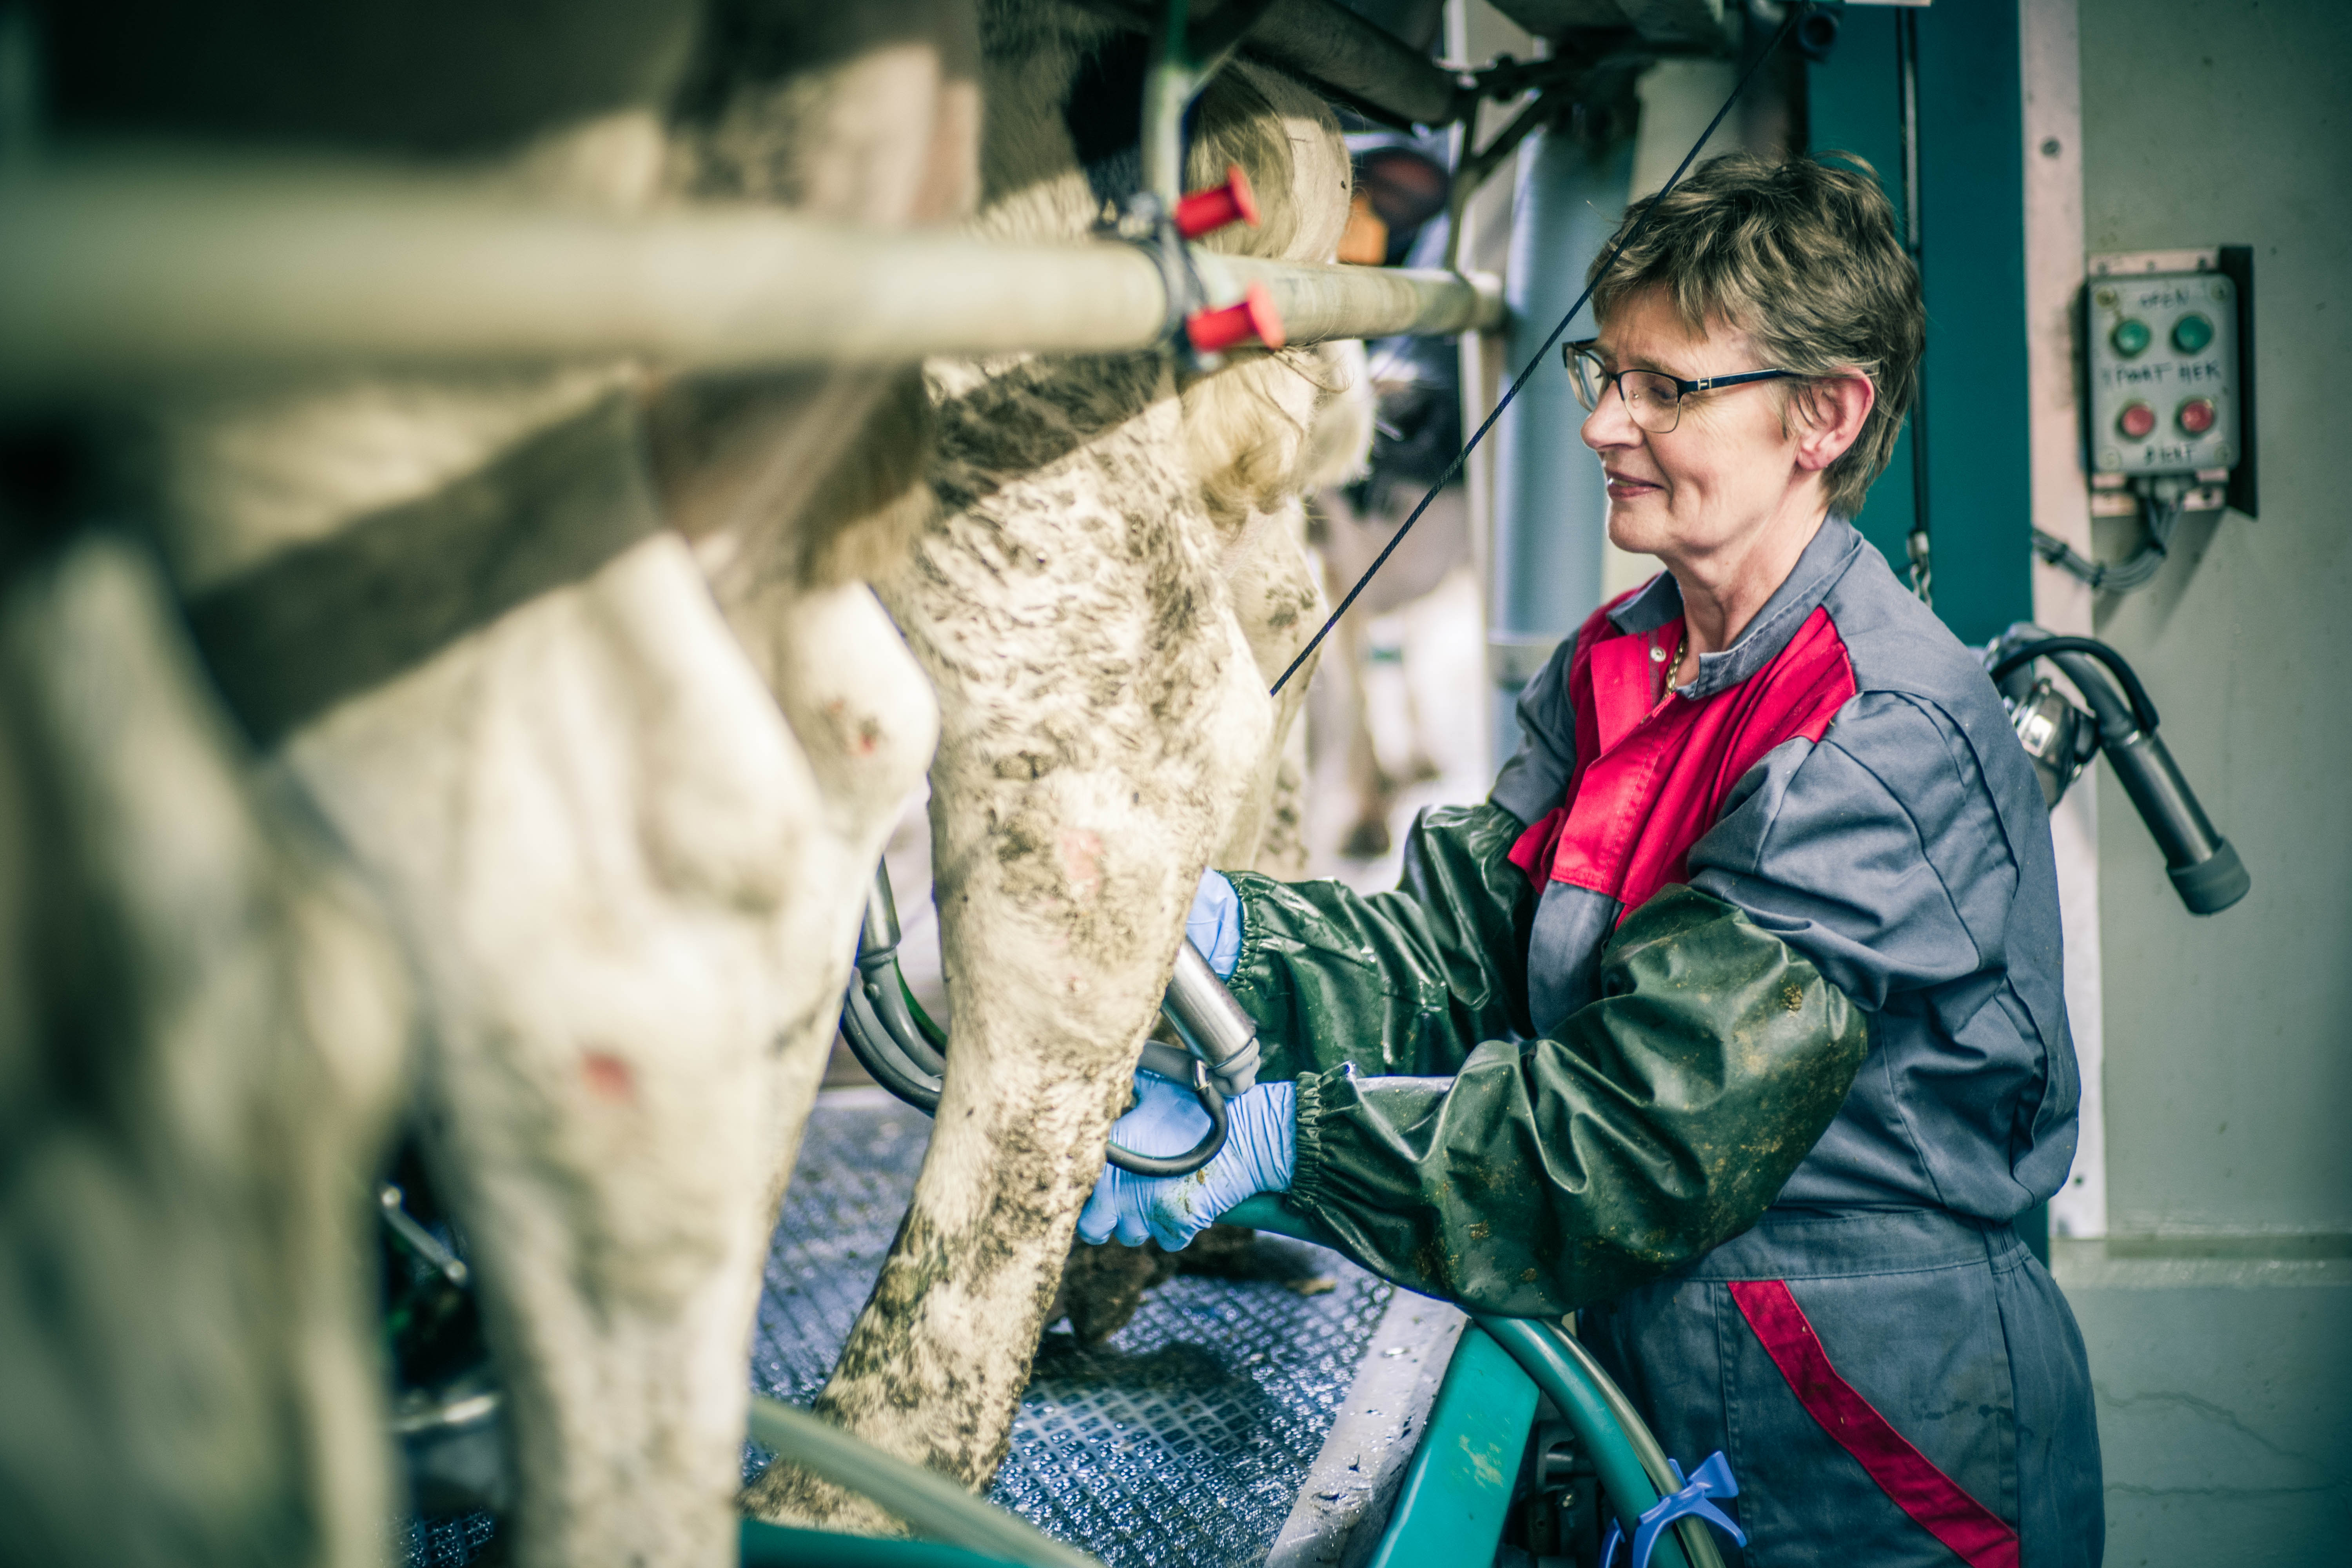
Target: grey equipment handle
point(891, 1042)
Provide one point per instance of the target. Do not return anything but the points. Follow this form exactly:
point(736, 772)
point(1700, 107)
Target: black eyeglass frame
point(1683, 387)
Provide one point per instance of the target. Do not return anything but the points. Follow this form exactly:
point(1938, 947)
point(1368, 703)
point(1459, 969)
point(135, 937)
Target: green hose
point(931, 1504)
point(1632, 1466)
point(767, 1545)
point(1695, 1534)
point(1608, 1428)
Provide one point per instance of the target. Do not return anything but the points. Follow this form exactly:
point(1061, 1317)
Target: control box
point(2165, 389)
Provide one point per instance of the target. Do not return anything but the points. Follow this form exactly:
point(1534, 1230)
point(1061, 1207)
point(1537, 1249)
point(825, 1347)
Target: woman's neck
point(1723, 590)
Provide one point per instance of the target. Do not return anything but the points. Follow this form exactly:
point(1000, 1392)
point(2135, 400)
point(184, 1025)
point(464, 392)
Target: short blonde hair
point(1803, 258)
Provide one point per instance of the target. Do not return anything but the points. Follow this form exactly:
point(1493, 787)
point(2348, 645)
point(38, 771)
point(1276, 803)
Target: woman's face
point(1727, 471)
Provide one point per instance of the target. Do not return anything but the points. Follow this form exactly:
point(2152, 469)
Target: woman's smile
point(1624, 486)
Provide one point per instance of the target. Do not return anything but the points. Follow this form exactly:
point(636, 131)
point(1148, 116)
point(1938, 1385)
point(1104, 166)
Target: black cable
point(2159, 515)
point(1455, 468)
point(2143, 710)
point(1918, 544)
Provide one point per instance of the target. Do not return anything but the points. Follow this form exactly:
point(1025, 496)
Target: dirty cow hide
point(797, 488)
point(203, 1022)
point(1104, 731)
point(1273, 583)
point(628, 859)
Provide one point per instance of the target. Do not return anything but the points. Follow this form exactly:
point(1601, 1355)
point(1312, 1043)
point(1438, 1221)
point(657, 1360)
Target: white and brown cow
point(628, 860)
point(1106, 731)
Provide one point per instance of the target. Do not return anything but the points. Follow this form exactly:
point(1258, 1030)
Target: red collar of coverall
point(1650, 776)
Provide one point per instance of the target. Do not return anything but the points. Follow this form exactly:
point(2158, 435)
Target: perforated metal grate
point(1179, 1444)
point(1182, 1443)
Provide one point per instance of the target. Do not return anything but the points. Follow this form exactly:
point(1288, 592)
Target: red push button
point(2138, 421)
point(1205, 212)
point(2196, 415)
point(1255, 317)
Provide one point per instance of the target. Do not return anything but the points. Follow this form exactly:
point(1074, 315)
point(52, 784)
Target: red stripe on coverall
point(1933, 1500)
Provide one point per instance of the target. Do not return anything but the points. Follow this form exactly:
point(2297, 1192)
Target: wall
point(2218, 1311)
point(1971, 225)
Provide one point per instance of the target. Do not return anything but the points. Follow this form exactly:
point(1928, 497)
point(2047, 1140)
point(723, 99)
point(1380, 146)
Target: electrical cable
point(2161, 503)
point(1453, 470)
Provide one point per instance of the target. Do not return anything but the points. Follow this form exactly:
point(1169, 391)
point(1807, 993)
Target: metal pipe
point(1373, 68)
point(127, 277)
point(1551, 510)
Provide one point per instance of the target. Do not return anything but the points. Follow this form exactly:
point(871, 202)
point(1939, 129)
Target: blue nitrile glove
point(1215, 926)
point(1167, 1121)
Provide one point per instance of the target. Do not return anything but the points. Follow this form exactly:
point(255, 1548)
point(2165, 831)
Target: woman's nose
point(1608, 426)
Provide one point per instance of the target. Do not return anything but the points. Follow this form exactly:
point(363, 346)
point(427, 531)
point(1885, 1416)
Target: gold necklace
point(1682, 647)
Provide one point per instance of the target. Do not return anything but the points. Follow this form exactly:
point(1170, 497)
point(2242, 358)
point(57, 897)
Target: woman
point(1734, 1017)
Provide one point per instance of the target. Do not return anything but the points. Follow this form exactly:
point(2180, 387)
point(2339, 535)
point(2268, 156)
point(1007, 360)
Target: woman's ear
point(1830, 415)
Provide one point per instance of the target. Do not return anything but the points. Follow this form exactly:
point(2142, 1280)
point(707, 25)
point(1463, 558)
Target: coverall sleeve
point(1533, 1176)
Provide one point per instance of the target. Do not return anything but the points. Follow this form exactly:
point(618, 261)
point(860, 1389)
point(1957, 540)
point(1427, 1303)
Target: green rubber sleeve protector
point(1447, 1149)
point(931, 1504)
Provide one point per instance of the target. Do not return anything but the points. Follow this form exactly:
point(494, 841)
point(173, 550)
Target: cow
point(204, 1039)
point(619, 783)
point(1106, 731)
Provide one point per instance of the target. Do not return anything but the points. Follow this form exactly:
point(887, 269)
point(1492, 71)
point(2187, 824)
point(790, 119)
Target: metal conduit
point(114, 278)
point(1550, 508)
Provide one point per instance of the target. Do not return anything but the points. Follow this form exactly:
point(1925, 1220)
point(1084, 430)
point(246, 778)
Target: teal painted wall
point(1972, 226)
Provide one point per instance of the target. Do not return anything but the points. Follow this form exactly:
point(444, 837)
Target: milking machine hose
point(900, 1047)
point(930, 1504)
point(1629, 1460)
point(2204, 867)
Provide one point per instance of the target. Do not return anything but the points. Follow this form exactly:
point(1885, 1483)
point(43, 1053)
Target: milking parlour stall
point(626, 631)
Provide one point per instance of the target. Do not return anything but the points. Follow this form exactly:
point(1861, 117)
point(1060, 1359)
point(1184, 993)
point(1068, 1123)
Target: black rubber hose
point(1200, 1154)
point(2143, 710)
point(869, 1041)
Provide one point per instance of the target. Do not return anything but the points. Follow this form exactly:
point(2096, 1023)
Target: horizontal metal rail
point(127, 277)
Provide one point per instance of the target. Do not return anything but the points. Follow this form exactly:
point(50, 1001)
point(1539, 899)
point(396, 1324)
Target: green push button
point(2130, 336)
point(2190, 334)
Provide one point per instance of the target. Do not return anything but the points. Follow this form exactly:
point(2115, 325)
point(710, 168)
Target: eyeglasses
point(1652, 399)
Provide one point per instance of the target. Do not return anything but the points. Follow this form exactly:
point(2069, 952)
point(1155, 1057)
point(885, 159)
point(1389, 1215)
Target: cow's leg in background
point(202, 1026)
point(799, 487)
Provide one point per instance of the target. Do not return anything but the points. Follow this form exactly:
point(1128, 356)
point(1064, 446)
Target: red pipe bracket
point(1205, 212)
point(1255, 317)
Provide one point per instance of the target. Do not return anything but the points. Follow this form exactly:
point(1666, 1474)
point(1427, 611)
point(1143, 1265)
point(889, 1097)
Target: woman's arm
point(1447, 1153)
point(1553, 1173)
point(1408, 982)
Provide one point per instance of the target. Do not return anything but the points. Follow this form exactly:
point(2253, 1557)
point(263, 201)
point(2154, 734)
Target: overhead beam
point(1330, 47)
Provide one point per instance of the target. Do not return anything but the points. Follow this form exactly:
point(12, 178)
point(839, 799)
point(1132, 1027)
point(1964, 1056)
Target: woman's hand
point(1167, 1121)
point(1214, 924)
